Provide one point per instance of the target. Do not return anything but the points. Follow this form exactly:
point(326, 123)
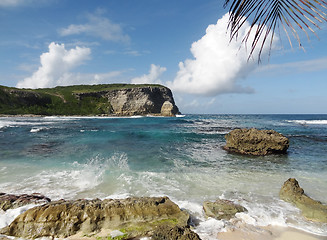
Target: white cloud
point(56, 65)
point(97, 26)
point(153, 77)
point(17, 3)
point(10, 3)
point(218, 64)
point(311, 65)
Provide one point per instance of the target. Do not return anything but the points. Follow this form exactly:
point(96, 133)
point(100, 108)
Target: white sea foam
point(209, 228)
point(35, 130)
point(6, 217)
point(308, 122)
point(180, 115)
point(71, 180)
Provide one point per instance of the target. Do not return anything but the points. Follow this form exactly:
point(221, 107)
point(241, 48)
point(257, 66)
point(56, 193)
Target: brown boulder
point(310, 208)
point(133, 216)
point(256, 142)
point(222, 209)
point(10, 201)
point(167, 232)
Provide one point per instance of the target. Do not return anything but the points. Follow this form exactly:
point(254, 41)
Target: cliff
point(104, 99)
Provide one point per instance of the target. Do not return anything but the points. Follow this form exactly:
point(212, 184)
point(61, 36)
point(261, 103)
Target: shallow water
point(76, 157)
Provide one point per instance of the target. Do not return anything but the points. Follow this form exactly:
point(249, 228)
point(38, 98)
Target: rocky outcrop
point(166, 232)
point(168, 109)
point(10, 201)
point(156, 100)
point(310, 208)
point(222, 209)
point(132, 216)
point(256, 142)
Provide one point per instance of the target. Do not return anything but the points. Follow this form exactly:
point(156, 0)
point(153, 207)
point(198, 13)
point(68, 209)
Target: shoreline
point(250, 232)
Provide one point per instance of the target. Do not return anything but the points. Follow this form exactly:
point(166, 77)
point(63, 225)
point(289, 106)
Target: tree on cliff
point(266, 16)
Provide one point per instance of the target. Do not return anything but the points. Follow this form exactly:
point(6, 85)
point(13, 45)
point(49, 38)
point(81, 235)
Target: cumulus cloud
point(17, 3)
point(153, 77)
point(10, 3)
point(97, 26)
point(56, 65)
point(218, 64)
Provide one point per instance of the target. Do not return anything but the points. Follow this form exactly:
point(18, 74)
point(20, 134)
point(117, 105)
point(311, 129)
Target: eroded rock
point(133, 216)
point(256, 142)
point(168, 109)
point(166, 232)
point(222, 209)
point(311, 209)
point(10, 201)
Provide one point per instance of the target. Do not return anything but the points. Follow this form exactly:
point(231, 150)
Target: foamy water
point(74, 157)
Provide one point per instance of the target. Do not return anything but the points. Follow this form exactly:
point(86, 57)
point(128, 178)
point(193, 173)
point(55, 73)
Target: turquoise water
point(68, 157)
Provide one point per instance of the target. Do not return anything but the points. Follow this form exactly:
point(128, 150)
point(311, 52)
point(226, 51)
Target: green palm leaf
point(266, 16)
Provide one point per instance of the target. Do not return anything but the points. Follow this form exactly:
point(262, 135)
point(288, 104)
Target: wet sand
point(267, 233)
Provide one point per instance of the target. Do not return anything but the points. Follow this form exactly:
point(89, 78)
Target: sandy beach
point(267, 233)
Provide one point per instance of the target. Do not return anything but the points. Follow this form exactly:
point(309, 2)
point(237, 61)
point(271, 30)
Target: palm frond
point(265, 17)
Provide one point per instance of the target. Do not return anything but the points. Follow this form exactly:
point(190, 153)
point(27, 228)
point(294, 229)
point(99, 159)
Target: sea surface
point(182, 158)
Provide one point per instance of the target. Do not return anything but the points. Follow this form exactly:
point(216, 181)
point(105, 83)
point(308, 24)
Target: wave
point(35, 130)
point(308, 122)
point(8, 216)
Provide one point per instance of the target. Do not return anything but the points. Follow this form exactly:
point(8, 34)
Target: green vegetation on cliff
point(59, 100)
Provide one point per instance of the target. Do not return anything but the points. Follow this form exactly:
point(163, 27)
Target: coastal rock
point(166, 232)
point(256, 142)
point(156, 100)
point(10, 201)
point(132, 216)
point(311, 209)
point(222, 209)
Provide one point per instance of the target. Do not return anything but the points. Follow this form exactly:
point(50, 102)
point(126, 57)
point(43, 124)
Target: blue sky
point(181, 44)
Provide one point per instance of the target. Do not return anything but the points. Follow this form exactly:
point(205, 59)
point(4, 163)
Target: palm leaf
point(265, 17)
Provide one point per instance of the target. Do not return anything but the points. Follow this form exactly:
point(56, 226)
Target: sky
point(182, 44)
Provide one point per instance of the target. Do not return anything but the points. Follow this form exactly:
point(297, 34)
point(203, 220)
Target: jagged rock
point(256, 142)
point(222, 209)
point(166, 232)
point(311, 209)
point(133, 216)
point(9, 201)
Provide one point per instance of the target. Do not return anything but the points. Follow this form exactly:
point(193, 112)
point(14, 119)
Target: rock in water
point(10, 201)
point(222, 209)
point(311, 209)
point(256, 142)
point(133, 216)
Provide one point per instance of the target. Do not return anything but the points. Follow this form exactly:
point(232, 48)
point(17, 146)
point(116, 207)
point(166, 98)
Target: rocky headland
point(104, 100)
point(256, 142)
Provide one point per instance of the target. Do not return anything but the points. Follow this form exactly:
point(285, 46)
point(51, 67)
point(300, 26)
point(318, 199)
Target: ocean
point(179, 157)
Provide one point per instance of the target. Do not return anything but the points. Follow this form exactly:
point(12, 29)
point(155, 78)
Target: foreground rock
point(311, 209)
point(10, 201)
point(256, 142)
point(133, 216)
point(174, 233)
point(222, 209)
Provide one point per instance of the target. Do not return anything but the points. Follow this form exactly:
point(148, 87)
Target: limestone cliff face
point(138, 101)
